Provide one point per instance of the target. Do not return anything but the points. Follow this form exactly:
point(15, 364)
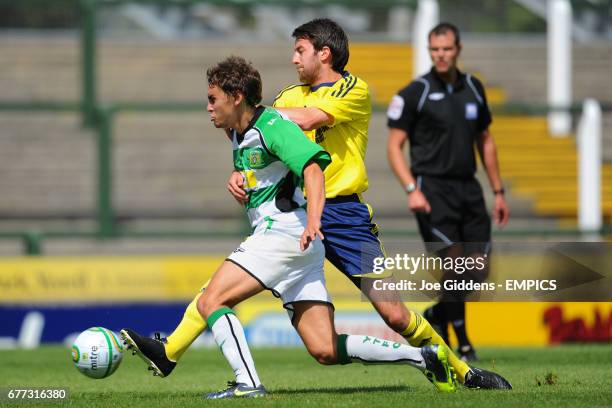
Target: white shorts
point(273, 257)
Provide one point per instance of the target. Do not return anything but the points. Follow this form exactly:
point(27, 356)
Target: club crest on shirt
point(255, 158)
point(471, 111)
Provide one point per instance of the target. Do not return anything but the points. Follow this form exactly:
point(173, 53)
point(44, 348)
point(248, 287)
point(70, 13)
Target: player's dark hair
point(323, 32)
point(444, 28)
point(236, 75)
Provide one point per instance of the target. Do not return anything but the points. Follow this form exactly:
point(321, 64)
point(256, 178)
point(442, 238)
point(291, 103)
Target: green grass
point(580, 377)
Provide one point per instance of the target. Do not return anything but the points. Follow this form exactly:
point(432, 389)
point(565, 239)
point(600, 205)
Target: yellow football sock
point(419, 333)
point(190, 327)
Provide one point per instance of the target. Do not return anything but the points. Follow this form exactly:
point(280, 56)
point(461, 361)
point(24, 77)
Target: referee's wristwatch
point(409, 188)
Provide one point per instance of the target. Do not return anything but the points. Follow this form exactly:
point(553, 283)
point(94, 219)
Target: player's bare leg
point(418, 332)
point(314, 323)
point(229, 286)
point(414, 328)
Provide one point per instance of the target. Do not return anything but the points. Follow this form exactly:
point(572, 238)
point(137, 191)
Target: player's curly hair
point(323, 32)
point(236, 75)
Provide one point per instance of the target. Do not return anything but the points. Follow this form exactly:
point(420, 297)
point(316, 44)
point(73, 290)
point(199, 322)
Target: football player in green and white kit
point(284, 254)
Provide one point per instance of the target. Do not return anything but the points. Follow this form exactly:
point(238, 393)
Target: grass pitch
point(567, 376)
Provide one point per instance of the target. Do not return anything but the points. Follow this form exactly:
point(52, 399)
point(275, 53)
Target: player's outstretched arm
point(314, 183)
point(308, 118)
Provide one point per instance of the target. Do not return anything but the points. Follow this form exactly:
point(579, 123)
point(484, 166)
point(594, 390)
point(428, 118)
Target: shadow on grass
point(341, 390)
point(165, 395)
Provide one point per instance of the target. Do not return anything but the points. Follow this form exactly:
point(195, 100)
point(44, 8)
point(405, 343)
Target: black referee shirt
point(443, 122)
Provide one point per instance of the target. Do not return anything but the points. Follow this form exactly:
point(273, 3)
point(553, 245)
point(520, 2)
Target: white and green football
point(97, 352)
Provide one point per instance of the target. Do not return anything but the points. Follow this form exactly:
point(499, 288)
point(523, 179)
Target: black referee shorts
point(458, 213)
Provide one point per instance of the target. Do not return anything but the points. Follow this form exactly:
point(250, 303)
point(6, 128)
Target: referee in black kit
point(444, 114)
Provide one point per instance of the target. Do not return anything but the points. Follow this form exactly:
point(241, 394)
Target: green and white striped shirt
point(271, 154)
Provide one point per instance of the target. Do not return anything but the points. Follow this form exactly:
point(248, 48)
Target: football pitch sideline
point(563, 376)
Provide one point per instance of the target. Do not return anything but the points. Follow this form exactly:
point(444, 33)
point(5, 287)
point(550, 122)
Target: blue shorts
point(351, 239)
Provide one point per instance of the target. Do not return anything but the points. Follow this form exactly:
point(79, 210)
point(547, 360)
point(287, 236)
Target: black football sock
point(455, 312)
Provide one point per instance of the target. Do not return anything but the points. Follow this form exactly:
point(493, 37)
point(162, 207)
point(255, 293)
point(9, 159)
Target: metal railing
point(106, 224)
point(101, 118)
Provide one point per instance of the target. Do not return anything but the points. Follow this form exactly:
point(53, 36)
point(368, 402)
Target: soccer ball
point(97, 352)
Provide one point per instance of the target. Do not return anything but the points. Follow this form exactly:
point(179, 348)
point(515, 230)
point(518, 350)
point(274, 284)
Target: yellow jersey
point(346, 139)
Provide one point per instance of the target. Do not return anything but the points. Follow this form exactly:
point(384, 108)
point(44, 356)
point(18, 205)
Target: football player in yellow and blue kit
point(333, 108)
point(342, 110)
